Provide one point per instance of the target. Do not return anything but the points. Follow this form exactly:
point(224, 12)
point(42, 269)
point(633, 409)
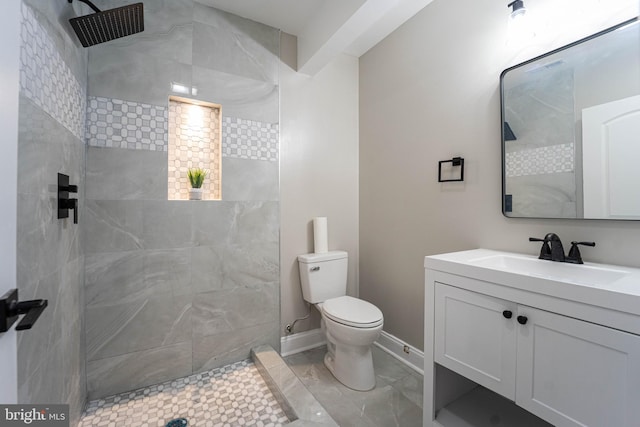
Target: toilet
point(350, 324)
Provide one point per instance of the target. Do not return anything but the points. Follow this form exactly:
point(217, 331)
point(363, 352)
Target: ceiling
point(326, 28)
point(289, 16)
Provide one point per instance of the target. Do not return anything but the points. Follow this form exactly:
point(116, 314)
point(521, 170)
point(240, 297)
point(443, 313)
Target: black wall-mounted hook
point(64, 202)
point(10, 309)
point(456, 161)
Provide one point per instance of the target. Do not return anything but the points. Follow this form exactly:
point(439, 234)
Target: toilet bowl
point(350, 324)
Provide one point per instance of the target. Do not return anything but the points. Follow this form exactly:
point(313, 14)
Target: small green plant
point(196, 176)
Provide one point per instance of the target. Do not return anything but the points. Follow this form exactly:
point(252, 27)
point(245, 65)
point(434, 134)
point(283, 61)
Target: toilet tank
point(323, 276)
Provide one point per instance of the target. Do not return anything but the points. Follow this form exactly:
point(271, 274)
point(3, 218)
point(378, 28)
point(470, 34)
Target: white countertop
point(609, 286)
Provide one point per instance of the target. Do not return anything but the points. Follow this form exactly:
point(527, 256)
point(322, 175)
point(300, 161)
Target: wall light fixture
point(520, 27)
point(518, 10)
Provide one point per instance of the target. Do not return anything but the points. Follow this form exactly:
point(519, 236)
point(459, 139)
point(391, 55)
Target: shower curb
point(300, 406)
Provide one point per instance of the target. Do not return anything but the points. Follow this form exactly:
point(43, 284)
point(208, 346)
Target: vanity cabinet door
point(576, 373)
point(475, 336)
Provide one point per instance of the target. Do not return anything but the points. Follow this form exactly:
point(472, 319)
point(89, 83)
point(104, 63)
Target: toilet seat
point(352, 312)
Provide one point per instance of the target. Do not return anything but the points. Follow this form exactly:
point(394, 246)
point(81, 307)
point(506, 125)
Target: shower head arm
point(91, 5)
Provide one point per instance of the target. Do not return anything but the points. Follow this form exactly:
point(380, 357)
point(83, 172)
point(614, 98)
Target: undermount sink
point(564, 272)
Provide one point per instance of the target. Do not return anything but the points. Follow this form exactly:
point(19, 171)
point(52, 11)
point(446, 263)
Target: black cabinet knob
point(507, 314)
point(522, 320)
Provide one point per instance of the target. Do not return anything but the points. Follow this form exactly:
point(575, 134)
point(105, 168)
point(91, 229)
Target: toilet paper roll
point(320, 235)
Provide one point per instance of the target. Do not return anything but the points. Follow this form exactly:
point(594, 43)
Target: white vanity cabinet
point(475, 339)
point(564, 361)
point(575, 373)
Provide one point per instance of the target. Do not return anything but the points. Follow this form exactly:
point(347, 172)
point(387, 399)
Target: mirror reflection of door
point(611, 159)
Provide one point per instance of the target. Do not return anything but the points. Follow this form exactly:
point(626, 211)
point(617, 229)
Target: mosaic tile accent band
point(248, 139)
point(125, 124)
point(540, 161)
point(46, 79)
point(194, 142)
point(233, 395)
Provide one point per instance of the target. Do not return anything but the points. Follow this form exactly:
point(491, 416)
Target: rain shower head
point(104, 26)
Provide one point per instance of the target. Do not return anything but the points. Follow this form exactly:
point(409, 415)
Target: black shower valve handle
point(69, 188)
point(71, 204)
point(74, 206)
point(75, 210)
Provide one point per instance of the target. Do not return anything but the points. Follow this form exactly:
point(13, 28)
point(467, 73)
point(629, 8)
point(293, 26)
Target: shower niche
point(194, 142)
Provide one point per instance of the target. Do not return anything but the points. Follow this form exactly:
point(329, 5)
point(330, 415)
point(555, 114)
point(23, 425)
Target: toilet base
point(354, 368)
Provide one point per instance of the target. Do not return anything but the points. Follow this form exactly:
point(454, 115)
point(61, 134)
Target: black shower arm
point(91, 5)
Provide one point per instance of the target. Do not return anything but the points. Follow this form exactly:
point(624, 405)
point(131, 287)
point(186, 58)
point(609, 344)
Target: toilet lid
point(352, 312)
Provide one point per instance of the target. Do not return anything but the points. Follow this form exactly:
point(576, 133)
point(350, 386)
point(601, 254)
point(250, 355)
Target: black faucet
point(552, 249)
point(557, 251)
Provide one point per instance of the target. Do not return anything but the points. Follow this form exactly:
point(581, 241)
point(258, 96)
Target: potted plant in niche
point(196, 179)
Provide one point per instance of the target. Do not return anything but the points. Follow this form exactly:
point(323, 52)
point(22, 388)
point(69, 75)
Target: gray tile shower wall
point(51, 361)
point(180, 287)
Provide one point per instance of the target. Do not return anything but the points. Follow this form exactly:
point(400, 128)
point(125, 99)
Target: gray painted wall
point(176, 287)
point(51, 364)
point(319, 174)
point(428, 92)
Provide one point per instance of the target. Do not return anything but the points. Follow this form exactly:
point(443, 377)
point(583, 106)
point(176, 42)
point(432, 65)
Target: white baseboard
point(396, 347)
point(307, 340)
point(296, 343)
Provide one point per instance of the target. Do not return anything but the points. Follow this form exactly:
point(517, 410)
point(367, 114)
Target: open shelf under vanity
point(481, 407)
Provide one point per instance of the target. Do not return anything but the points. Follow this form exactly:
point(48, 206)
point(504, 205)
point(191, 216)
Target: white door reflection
point(611, 159)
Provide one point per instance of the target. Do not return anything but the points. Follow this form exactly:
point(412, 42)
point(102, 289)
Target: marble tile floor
point(395, 401)
point(233, 395)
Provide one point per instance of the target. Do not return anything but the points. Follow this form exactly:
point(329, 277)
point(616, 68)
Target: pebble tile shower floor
point(233, 395)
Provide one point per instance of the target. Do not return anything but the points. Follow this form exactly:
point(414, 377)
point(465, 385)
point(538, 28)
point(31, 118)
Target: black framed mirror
point(571, 130)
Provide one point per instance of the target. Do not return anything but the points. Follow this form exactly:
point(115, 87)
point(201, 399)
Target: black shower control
point(69, 204)
point(64, 202)
point(11, 308)
point(507, 314)
point(69, 188)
